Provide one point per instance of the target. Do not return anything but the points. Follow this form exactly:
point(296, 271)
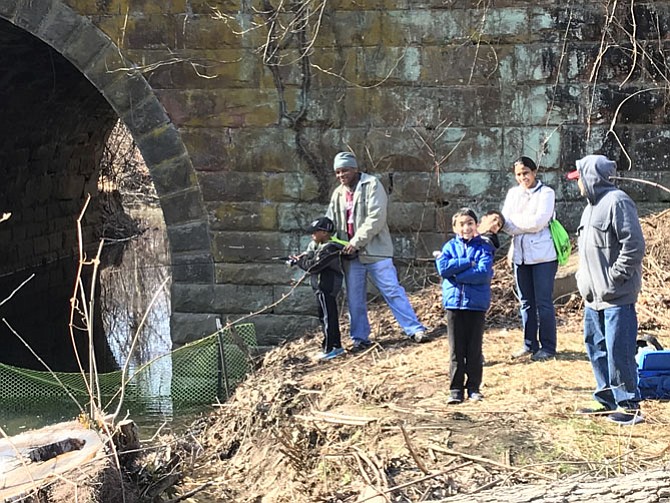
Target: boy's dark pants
point(466, 334)
point(329, 320)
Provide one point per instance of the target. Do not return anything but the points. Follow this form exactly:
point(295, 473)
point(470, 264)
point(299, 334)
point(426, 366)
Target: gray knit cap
point(345, 160)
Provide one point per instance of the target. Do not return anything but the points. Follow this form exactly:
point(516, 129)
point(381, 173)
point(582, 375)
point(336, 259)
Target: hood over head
point(594, 172)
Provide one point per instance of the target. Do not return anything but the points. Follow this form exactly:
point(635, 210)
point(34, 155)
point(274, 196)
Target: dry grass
point(302, 432)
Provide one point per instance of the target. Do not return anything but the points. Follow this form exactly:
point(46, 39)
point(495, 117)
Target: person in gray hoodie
point(611, 247)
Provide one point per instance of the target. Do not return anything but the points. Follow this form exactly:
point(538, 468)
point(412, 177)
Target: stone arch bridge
point(237, 123)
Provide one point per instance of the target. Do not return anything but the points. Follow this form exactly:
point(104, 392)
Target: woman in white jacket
point(527, 210)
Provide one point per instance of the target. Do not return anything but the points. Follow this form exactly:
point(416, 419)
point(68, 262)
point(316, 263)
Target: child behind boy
point(322, 260)
point(466, 264)
point(490, 225)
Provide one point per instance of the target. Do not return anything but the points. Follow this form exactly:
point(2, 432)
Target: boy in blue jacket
point(466, 264)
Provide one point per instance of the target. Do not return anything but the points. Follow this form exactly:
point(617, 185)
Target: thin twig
point(417, 481)
point(488, 461)
point(419, 462)
point(639, 180)
point(17, 288)
point(190, 493)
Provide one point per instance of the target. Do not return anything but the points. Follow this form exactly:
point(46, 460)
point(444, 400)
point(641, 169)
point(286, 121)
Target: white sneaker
point(419, 336)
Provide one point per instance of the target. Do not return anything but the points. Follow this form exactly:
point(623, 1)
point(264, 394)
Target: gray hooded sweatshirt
point(611, 244)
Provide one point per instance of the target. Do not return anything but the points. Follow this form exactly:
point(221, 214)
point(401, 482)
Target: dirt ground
point(376, 427)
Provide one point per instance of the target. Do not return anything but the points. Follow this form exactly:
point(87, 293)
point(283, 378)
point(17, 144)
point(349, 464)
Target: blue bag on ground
point(654, 374)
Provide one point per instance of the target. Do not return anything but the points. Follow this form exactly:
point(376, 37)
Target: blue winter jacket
point(467, 269)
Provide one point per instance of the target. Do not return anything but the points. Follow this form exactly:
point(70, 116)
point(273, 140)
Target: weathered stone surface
point(295, 187)
point(296, 216)
point(426, 28)
point(146, 117)
point(276, 187)
point(272, 329)
point(299, 300)
point(408, 217)
point(85, 43)
point(468, 185)
point(359, 27)
point(220, 109)
point(535, 105)
point(32, 15)
point(640, 185)
point(208, 32)
point(504, 24)
point(239, 216)
point(446, 64)
point(275, 273)
point(126, 7)
point(188, 237)
point(201, 68)
point(8, 8)
point(213, 149)
point(231, 186)
point(59, 25)
point(531, 63)
point(650, 150)
point(188, 327)
point(173, 175)
point(184, 206)
point(415, 187)
point(207, 6)
point(145, 31)
point(565, 283)
point(160, 145)
point(436, 99)
point(192, 268)
point(124, 92)
point(256, 246)
point(224, 298)
point(541, 144)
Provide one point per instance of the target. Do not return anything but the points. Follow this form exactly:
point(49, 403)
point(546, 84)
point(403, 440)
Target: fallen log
point(652, 485)
point(33, 459)
point(70, 462)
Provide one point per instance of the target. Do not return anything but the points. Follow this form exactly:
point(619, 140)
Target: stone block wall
point(436, 98)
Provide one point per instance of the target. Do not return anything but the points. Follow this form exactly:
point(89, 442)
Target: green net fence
point(203, 371)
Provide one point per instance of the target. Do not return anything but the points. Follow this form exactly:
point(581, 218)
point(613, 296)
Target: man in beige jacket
point(358, 207)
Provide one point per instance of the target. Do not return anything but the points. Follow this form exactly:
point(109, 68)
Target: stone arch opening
point(64, 85)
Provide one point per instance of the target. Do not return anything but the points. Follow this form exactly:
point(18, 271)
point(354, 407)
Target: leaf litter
point(375, 426)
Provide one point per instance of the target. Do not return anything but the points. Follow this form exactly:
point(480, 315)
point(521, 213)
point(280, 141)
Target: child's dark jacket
point(323, 262)
point(467, 269)
point(493, 239)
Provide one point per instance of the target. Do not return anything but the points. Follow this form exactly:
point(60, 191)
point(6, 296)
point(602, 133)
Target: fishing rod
point(345, 255)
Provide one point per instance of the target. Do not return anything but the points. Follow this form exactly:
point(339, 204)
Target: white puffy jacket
point(527, 215)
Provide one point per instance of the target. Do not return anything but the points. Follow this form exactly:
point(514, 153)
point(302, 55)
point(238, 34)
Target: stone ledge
point(565, 282)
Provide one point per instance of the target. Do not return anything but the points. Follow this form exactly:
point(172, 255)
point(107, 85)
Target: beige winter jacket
point(371, 238)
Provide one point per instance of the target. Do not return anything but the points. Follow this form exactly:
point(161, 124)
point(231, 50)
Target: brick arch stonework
point(127, 92)
point(435, 98)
